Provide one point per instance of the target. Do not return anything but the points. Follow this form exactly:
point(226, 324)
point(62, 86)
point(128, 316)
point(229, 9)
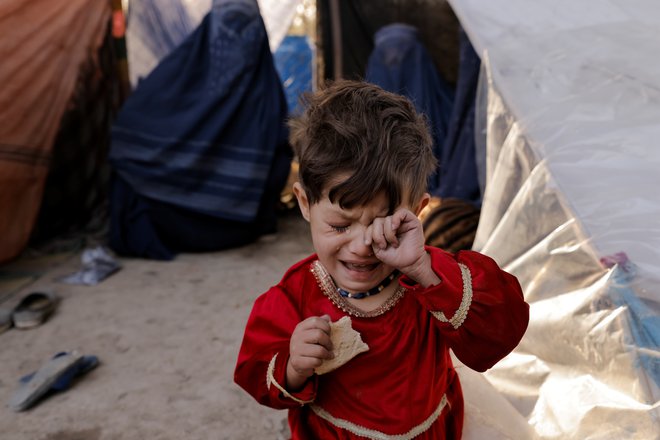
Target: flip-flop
point(34, 309)
point(43, 379)
point(65, 380)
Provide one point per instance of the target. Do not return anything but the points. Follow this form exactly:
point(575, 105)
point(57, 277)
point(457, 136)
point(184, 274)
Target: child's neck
point(371, 303)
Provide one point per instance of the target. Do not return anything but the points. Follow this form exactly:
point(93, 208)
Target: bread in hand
point(347, 343)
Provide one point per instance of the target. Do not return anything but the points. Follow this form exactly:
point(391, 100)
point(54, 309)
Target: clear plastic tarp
point(569, 102)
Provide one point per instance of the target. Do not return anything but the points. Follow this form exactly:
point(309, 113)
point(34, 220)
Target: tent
point(569, 102)
point(52, 62)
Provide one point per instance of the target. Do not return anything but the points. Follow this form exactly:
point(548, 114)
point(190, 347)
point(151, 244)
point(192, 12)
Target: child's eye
point(339, 228)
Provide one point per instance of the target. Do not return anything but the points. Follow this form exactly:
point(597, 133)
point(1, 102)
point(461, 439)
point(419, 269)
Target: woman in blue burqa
point(199, 150)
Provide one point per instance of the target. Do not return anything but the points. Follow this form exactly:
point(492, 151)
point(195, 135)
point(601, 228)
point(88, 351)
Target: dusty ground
point(167, 335)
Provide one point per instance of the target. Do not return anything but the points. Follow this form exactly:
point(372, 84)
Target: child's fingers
point(377, 233)
point(315, 351)
point(305, 365)
point(305, 357)
point(317, 337)
point(390, 232)
point(398, 218)
point(403, 221)
point(309, 348)
point(316, 322)
point(367, 235)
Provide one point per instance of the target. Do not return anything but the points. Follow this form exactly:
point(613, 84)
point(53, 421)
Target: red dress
point(405, 385)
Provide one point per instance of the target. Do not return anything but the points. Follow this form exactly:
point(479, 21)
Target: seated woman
point(200, 150)
point(401, 64)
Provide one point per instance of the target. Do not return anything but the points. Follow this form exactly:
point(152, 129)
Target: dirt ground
point(167, 335)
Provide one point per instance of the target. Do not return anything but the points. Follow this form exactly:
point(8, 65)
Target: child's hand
point(310, 344)
point(398, 241)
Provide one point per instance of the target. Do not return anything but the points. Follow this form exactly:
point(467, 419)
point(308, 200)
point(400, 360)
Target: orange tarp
point(43, 43)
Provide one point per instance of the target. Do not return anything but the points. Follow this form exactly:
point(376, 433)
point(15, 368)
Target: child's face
point(338, 236)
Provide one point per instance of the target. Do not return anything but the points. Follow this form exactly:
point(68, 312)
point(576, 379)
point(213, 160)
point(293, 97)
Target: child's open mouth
point(360, 267)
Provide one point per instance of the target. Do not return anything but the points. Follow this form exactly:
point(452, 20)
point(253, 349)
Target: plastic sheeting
point(156, 27)
point(570, 104)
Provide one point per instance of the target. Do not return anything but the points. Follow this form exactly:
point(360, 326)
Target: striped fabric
point(450, 224)
point(200, 131)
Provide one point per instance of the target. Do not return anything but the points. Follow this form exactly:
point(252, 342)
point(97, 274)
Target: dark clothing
point(459, 175)
point(401, 64)
point(200, 148)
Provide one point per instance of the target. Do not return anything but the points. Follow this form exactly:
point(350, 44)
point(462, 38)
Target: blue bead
point(379, 288)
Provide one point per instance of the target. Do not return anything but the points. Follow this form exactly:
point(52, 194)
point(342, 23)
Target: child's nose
point(357, 246)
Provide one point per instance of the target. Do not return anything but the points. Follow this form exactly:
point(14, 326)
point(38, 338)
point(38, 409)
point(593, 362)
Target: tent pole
point(335, 20)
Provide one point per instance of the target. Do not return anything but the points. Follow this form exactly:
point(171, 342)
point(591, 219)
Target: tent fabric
point(401, 64)
point(76, 191)
point(44, 43)
point(570, 111)
point(202, 130)
point(157, 27)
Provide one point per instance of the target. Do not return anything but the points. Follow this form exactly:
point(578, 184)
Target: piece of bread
point(346, 342)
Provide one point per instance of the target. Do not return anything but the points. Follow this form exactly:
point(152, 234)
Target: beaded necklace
point(379, 288)
point(329, 289)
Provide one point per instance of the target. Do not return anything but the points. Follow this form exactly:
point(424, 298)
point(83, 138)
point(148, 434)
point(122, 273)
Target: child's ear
point(303, 201)
point(422, 203)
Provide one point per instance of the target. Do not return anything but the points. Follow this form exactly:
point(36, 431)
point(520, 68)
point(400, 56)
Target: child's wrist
point(422, 272)
point(294, 380)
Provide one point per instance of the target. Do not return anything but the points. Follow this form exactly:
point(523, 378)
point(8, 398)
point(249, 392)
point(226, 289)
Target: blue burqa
point(401, 64)
point(200, 148)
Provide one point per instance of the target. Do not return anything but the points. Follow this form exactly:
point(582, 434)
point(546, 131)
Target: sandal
point(34, 309)
point(43, 379)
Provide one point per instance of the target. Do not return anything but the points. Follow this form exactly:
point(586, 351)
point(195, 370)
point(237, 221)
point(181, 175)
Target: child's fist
point(310, 344)
point(398, 241)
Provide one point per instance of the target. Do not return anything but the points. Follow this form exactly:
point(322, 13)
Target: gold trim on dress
point(459, 317)
point(329, 289)
point(270, 380)
point(378, 435)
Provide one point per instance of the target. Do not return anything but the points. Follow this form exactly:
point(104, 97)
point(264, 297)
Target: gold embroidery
point(328, 288)
point(270, 380)
point(459, 317)
point(377, 435)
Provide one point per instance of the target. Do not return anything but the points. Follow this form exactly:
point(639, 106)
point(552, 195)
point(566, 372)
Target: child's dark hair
point(373, 136)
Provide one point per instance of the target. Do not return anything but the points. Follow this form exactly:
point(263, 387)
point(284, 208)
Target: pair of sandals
point(58, 373)
point(30, 312)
